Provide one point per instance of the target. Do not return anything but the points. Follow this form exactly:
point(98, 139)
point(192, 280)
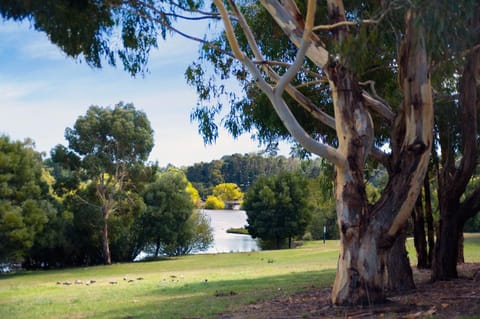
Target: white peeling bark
point(285, 15)
point(418, 114)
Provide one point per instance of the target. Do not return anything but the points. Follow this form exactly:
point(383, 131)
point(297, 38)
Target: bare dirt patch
point(446, 299)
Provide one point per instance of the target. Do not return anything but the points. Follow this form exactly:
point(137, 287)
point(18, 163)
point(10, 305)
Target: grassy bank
point(185, 287)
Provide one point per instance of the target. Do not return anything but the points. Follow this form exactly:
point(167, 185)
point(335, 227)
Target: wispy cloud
point(13, 91)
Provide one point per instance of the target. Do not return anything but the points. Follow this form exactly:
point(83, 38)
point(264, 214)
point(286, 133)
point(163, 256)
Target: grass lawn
point(185, 287)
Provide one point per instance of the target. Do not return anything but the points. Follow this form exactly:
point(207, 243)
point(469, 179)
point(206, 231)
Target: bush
point(213, 202)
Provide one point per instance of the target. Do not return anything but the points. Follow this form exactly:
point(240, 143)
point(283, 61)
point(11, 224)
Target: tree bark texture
point(367, 236)
point(399, 272)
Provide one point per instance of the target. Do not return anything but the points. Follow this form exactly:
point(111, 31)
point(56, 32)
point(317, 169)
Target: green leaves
point(278, 207)
point(24, 209)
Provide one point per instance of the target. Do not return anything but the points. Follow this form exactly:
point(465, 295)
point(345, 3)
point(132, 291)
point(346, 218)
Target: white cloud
point(11, 91)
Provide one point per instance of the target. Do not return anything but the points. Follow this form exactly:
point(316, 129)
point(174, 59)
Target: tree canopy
point(25, 198)
point(169, 224)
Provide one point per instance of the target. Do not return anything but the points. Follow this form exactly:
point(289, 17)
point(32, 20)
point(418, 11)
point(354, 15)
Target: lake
point(221, 220)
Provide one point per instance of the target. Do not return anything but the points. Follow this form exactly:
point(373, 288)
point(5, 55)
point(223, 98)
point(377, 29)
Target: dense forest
point(244, 169)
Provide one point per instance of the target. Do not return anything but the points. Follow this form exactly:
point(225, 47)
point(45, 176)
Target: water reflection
point(221, 220)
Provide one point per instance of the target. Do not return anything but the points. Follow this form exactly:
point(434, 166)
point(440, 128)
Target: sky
point(42, 92)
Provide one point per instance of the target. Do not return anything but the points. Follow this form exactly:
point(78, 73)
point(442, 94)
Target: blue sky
point(42, 92)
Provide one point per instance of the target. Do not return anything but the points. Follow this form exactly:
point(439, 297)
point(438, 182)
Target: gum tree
point(112, 145)
point(367, 232)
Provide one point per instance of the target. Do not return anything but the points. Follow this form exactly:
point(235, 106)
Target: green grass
point(198, 286)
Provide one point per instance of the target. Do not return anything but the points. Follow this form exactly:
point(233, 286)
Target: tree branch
point(350, 23)
point(470, 206)
point(379, 106)
point(275, 95)
point(286, 15)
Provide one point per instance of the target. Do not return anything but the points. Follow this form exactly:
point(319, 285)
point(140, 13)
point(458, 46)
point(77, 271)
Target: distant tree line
point(243, 170)
point(97, 200)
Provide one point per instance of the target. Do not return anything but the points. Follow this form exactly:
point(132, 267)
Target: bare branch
point(286, 65)
point(350, 23)
point(379, 106)
point(286, 16)
point(275, 95)
point(83, 200)
point(304, 44)
point(232, 40)
point(305, 84)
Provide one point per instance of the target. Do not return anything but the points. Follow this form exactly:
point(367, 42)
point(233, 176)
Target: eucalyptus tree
point(354, 45)
point(112, 145)
point(367, 231)
point(458, 139)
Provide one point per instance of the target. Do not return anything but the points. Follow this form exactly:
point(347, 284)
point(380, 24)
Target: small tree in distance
point(214, 202)
point(228, 192)
point(278, 208)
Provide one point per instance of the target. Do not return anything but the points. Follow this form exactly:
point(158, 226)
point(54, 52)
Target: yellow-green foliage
point(194, 194)
point(228, 192)
point(214, 202)
point(373, 194)
point(190, 189)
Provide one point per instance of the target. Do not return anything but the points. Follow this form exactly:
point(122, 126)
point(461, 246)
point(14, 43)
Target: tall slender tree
point(112, 144)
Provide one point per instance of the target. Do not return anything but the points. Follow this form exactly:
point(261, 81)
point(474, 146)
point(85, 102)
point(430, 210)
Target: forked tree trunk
point(453, 178)
point(367, 236)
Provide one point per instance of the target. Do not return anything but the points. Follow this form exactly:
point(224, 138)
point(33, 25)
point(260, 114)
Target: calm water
point(221, 220)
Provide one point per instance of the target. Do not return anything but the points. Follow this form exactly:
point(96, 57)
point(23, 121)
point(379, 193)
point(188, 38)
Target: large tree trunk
point(366, 233)
point(360, 268)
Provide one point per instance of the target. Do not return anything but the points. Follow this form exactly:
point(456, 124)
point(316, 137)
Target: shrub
point(213, 202)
